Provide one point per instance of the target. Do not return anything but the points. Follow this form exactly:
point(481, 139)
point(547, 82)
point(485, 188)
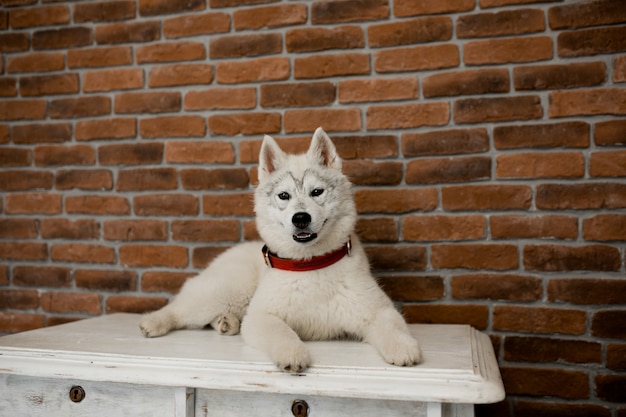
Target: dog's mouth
point(304, 237)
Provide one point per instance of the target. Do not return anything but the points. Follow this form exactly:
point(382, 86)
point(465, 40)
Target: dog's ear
point(323, 151)
point(271, 157)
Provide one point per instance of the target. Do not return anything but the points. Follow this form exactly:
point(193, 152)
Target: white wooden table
point(117, 372)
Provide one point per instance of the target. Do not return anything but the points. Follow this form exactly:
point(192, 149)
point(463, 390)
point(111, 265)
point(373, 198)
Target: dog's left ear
point(323, 151)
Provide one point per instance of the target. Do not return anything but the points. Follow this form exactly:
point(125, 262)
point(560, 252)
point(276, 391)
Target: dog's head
point(303, 203)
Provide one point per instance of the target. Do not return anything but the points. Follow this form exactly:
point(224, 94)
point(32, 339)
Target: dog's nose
point(301, 220)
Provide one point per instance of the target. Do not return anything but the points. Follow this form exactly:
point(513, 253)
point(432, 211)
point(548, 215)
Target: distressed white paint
point(459, 368)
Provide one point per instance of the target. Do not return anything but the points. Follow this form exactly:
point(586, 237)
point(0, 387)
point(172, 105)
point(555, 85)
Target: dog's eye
point(317, 192)
point(284, 196)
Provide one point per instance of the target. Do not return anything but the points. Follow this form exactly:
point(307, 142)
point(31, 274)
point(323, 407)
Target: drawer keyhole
point(77, 394)
point(300, 408)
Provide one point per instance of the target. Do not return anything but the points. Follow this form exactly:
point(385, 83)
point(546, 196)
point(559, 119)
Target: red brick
point(148, 102)
point(8, 86)
point(132, 32)
point(323, 66)
point(203, 256)
point(237, 46)
point(18, 228)
point(546, 382)
point(131, 230)
point(508, 22)
point(240, 204)
point(152, 256)
point(474, 256)
point(170, 52)
point(18, 322)
point(397, 258)
point(14, 42)
point(244, 123)
point(474, 315)
point(408, 116)
point(404, 8)
point(580, 196)
point(99, 57)
point(541, 165)
point(81, 252)
point(39, 16)
point(553, 135)
point(54, 155)
point(130, 154)
point(270, 16)
point(365, 146)
point(447, 142)
point(616, 356)
point(41, 132)
point(609, 324)
point(115, 128)
point(542, 349)
point(106, 280)
point(33, 203)
point(93, 204)
point(172, 126)
point(25, 180)
point(214, 179)
point(59, 228)
point(164, 281)
point(486, 197)
point(23, 251)
point(587, 102)
point(588, 42)
point(147, 179)
point(79, 107)
point(516, 226)
point(19, 299)
point(611, 387)
point(592, 13)
point(444, 170)
point(412, 287)
point(22, 109)
point(605, 227)
point(356, 91)
point(480, 110)
point(373, 173)
point(416, 58)
point(71, 302)
point(222, 230)
point(539, 319)
point(133, 304)
point(496, 287)
point(395, 202)
point(609, 133)
point(503, 51)
point(313, 39)
point(608, 164)
point(293, 95)
point(180, 74)
point(348, 11)
point(113, 79)
point(41, 276)
point(222, 98)
point(466, 82)
point(35, 62)
point(379, 229)
point(84, 179)
point(15, 157)
point(407, 32)
point(199, 152)
point(619, 69)
point(571, 258)
point(549, 77)
point(424, 228)
point(196, 24)
point(257, 70)
point(64, 38)
point(587, 291)
point(161, 7)
point(104, 11)
point(165, 205)
point(297, 121)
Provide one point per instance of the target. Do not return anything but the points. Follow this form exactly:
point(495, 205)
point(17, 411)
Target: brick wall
point(485, 139)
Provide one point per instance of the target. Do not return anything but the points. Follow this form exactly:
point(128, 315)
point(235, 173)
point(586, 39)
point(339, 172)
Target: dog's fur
point(277, 309)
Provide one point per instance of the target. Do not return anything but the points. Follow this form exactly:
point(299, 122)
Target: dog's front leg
point(280, 342)
point(389, 334)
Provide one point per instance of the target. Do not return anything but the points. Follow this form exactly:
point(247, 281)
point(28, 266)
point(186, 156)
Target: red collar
point(312, 264)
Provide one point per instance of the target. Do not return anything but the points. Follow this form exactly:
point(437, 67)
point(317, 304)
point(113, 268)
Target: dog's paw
point(227, 324)
point(294, 359)
point(151, 325)
point(402, 351)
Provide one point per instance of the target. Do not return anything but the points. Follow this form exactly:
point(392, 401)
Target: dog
point(308, 280)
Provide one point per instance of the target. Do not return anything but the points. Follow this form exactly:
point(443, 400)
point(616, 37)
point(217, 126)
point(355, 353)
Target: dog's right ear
point(271, 157)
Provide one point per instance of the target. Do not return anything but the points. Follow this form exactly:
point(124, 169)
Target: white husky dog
point(310, 282)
